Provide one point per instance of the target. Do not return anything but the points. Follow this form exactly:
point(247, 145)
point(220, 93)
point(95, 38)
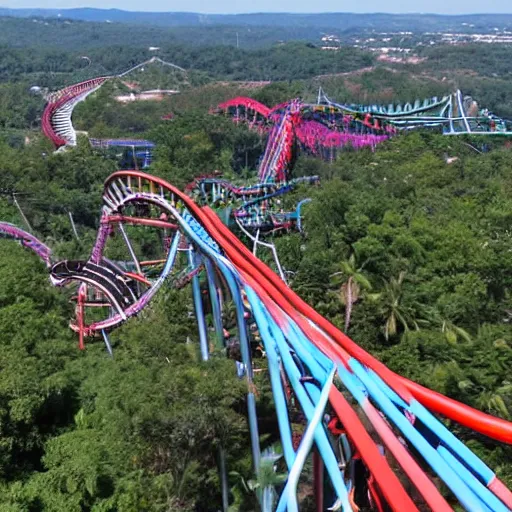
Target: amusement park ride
point(308, 358)
point(454, 114)
point(56, 120)
point(373, 429)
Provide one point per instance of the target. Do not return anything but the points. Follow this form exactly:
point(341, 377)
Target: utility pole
point(21, 212)
point(73, 225)
point(237, 41)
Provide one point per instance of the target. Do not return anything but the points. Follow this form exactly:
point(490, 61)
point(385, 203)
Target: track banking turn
point(292, 330)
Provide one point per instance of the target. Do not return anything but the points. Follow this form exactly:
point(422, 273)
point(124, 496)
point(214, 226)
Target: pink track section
point(59, 100)
point(27, 240)
point(502, 492)
point(313, 135)
point(248, 103)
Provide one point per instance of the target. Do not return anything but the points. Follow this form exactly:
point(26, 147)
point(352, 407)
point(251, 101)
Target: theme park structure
point(255, 207)
point(56, 119)
point(373, 430)
point(454, 114)
point(322, 129)
point(316, 129)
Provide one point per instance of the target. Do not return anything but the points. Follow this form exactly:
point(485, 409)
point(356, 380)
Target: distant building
point(154, 95)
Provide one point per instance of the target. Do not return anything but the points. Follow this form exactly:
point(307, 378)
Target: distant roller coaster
point(326, 127)
point(455, 114)
point(56, 120)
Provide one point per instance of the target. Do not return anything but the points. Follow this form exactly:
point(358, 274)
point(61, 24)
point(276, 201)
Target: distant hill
point(339, 21)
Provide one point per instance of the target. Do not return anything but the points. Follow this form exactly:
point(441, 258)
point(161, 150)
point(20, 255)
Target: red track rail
point(247, 103)
point(478, 421)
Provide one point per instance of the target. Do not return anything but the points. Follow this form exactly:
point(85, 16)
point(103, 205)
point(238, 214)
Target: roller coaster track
point(326, 371)
point(452, 114)
point(56, 120)
point(251, 205)
point(322, 129)
point(26, 240)
point(296, 123)
point(449, 112)
point(251, 107)
point(427, 106)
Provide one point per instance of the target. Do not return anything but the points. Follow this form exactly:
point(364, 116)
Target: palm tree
point(494, 402)
point(353, 285)
point(268, 479)
point(451, 331)
point(392, 308)
point(264, 484)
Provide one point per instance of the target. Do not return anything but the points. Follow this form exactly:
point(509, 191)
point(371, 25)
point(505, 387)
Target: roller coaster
point(454, 114)
point(379, 443)
point(326, 124)
point(322, 129)
point(56, 122)
point(317, 129)
point(289, 125)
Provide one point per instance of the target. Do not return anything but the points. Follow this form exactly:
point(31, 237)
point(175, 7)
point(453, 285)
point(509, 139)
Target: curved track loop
point(250, 105)
point(124, 292)
point(292, 331)
point(56, 119)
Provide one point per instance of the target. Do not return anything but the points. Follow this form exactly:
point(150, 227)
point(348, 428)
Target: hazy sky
point(232, 6)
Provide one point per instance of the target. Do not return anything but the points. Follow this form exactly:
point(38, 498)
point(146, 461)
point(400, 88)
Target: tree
point(354, 284)
point(392, 308)
point(451, 331)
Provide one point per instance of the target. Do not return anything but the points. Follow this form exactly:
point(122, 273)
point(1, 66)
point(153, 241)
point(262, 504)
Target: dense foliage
point(63, 65)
